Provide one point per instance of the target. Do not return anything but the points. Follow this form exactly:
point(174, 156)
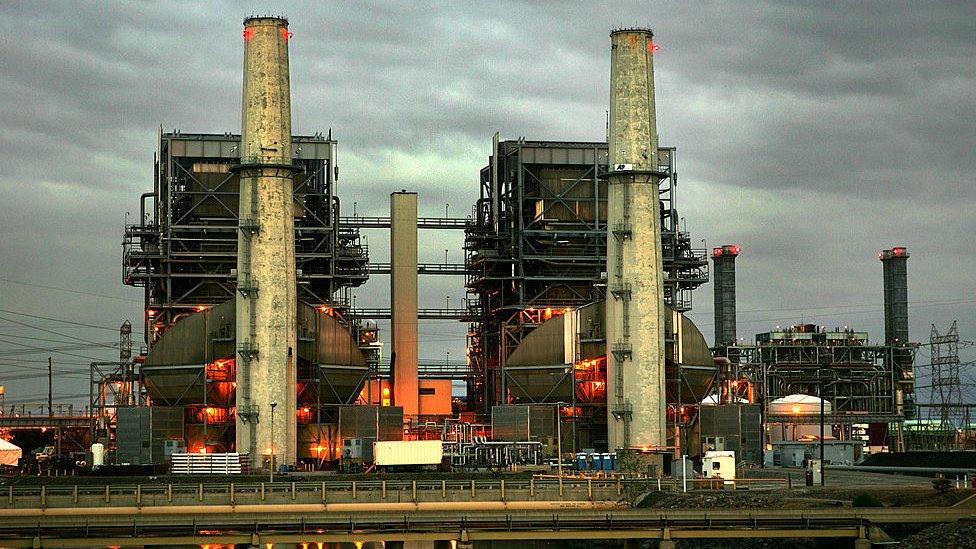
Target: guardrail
point(223, 493)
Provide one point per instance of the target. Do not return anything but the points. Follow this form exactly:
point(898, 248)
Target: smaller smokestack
point(723, 274)
point(895, 267)
point(894, 263)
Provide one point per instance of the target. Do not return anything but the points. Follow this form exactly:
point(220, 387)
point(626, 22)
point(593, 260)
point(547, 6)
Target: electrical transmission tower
point(946, 388)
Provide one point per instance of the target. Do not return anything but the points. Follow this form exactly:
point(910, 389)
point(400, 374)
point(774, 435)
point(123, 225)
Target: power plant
point(578, 278)
point(257, 403)
point(578, 275)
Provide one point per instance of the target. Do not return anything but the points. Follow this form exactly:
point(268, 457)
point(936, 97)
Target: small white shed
point(719, 464)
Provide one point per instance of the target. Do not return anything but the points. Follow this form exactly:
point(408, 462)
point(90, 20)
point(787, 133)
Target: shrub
point(866, 500)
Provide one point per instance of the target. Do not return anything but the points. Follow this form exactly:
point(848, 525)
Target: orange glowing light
point(203, 449)
point(305, 410)
point(211, 411)
point(150, 312)
point(200, 308)
point(386, 391)
point(267, 451)
point(796, 408)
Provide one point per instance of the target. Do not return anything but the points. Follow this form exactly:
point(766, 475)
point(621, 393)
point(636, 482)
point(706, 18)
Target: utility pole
point(50, 388)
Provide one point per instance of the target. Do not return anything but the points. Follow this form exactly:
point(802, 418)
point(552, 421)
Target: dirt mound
point(956, 535)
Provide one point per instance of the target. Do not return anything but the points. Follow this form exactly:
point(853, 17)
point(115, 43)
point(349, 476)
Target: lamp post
point(559, 444)
point(273, 404)
point(820, 394)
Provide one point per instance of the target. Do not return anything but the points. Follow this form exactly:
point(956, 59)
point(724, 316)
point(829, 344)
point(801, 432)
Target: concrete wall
point(266, 321)
point(403, 297)
point(635, 306)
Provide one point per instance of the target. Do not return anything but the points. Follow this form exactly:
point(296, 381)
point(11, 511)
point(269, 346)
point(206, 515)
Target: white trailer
point(719, 465)
point(407, 452)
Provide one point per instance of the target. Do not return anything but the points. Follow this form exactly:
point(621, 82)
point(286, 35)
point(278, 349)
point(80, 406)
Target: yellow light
point(305, 410)
point(203, 450)
point(267, 451)
point(386, 391)
point(796, 408)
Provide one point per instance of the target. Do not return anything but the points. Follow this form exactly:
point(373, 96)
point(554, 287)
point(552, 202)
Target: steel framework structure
point(183, 250)
point(946, 388)
point(537, 245)
point(861, 380)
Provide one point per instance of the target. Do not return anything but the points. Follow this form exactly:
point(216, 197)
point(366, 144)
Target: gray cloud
point(809, 133)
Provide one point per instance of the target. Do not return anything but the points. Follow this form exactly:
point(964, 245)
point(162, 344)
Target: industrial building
point(867, 388)
point(578, 273)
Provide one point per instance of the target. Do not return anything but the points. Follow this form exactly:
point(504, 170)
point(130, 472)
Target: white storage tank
point(98, 454)
point(800, 406)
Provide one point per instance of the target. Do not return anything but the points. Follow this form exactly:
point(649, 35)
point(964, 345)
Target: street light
point(820, 394)
point(273, 404)
point(446, 207)
point(559, 444)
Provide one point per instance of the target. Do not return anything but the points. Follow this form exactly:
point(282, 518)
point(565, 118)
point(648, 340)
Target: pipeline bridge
point(455, 511)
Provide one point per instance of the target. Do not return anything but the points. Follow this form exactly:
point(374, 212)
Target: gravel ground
point(957, 535)
point(810, 498)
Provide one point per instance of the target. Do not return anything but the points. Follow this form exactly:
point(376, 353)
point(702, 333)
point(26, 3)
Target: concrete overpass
point(259, 514)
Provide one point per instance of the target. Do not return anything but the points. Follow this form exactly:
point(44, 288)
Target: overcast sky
point(811, 134)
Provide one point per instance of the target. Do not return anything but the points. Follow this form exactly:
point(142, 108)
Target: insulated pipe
point(142, 207)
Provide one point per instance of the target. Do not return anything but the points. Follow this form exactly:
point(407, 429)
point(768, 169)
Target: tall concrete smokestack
point(403, 301)
point(635, 304)
point(724, 280)
point(266, 283)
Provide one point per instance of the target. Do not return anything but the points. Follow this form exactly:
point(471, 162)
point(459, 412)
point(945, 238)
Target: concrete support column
point(267, 293)
point(403, 297)
point(635, 292)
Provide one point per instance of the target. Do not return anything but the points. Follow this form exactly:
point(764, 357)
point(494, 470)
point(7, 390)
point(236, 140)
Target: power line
point(53, 340)
point(34, 350)
point(53, 332)
point(43, 350)
point(80, 292)
point(115, 329)
point(875, 309)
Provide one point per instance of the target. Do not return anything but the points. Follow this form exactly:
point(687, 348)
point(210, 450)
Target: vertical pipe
point(266, 273)
point(635, 300)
